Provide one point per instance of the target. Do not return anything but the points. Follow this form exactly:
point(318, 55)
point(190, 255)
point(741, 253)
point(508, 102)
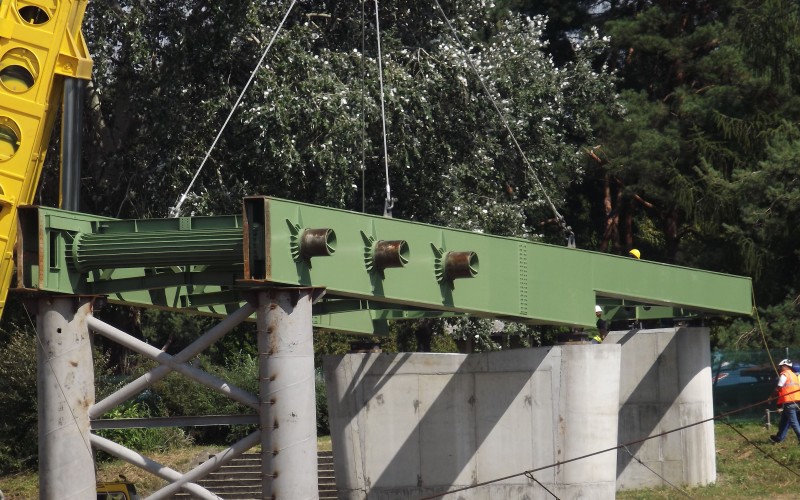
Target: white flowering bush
point(310, 127)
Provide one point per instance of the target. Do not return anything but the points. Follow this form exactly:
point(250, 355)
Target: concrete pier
point(665, 384)
point(410, 425)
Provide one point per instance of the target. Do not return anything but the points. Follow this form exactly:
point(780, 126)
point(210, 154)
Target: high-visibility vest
point(790, 392)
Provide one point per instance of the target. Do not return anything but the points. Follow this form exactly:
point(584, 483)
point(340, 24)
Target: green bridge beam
point(373, 268)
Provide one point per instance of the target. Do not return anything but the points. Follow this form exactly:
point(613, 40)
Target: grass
point(25, 486)
point(743, 472)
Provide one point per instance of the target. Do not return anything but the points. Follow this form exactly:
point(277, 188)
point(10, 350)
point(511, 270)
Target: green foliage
point(321, 400)
point(329, 343)
point(143, 440)
point(313, 112)
point(177, 395)
point(769, 204)
point(769, 30)
point(18, 408)
point(175, 331)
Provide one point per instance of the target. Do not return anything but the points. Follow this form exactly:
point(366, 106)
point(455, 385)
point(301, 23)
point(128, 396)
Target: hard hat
point(598, 309)
point(785, 362)
point(635, 253)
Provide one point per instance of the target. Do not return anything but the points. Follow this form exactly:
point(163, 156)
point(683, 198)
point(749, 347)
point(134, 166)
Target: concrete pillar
point(65, 383)
point(413, 425)
point(665, 384)
point(287, 415)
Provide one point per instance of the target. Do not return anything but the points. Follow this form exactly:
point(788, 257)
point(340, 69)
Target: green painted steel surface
point(374, 269)
point(516, 279)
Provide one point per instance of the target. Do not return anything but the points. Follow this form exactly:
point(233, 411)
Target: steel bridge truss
point(291, 266)
point(374, 269)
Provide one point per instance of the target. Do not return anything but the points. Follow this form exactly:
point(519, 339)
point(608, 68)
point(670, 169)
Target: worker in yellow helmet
point(636, 254)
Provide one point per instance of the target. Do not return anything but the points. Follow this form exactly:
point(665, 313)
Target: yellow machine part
point(40, 44)
point(121, 490)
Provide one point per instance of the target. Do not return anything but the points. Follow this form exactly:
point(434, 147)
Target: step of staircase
point(240, 479)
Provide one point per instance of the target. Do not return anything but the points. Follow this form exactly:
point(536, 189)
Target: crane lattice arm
point(40, 44)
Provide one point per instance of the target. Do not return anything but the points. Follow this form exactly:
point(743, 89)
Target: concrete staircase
point(241, 478)
point(326, 477)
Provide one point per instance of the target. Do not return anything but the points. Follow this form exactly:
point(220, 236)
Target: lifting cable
point(388, 204)
point(176, 210)
point(363, 110)
point(759, 448)
point(530, 476)
point(559, 218)
point(761, 330)
point(528, 473)
point(634, 457)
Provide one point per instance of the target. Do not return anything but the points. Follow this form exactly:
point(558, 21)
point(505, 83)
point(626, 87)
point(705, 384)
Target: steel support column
point(71, 136)
point(65, 382)
point(286, 390)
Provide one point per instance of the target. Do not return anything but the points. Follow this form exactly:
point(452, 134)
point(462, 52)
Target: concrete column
point(665, 384)
point(65, 383)
point(412, 425)
point(287, 415)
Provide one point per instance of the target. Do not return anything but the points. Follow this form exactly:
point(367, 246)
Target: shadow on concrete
point(442, 466)
point(648, 398)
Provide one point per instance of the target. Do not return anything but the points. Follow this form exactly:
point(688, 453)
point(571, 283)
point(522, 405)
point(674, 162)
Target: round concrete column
point(287, 414)
point(65, 383)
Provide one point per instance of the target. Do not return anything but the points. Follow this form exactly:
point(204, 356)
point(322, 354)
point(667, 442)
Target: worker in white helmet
point(788, 391)
point(602, 327)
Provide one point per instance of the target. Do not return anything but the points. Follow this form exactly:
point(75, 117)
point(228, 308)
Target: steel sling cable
point(530, 476)
point(754, 445)
point(388, 204)
point(176, 210)
point(559, 218)
point(363, 110)
point(761, 330)
point(613, 448)
point(654, 472)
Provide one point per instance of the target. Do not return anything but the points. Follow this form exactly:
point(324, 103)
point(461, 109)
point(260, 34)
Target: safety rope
point(176, 210)
point(654, 472)
point(613, 448)
point(530, 476)
point(388, 204)
point(363, 109)
point(761, 330)
point(766, 454)
point(559, 218)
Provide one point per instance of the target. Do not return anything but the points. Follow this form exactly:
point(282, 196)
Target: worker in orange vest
point(789, 397)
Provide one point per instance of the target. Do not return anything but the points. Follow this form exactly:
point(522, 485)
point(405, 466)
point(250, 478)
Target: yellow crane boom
point(40, 44)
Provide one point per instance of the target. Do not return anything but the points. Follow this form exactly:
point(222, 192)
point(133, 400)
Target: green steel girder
point(374, 269)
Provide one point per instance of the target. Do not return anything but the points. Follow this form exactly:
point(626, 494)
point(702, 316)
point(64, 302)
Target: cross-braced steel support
point(285, 403)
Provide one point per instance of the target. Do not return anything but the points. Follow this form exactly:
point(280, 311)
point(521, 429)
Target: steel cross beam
point(374, 269)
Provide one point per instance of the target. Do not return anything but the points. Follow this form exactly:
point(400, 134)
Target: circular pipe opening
point(32, 14)
point(10, 138)
point(392, 253)
point(461, 265)
point(317, 243)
